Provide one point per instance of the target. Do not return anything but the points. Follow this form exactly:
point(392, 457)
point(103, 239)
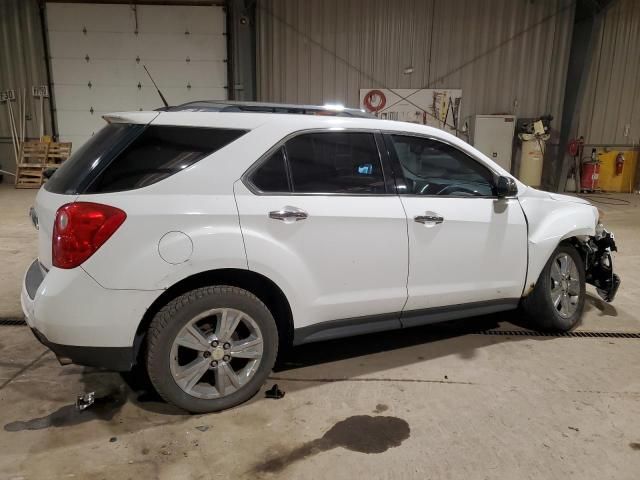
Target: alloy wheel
point(216, 353)
point(565, 285)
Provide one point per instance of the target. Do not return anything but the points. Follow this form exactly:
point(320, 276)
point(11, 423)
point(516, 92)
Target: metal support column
point(587, 25)
point(47, 62)
point(241, 45)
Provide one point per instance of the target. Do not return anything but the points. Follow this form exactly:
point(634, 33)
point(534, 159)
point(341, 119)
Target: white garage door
point(97, 60)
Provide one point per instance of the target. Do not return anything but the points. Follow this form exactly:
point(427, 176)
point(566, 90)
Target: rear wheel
point(557, 300)
point(211, 348)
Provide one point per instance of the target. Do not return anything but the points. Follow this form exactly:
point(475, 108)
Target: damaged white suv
point(200, 239)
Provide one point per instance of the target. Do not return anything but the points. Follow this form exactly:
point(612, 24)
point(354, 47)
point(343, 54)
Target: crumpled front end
point(598, 263)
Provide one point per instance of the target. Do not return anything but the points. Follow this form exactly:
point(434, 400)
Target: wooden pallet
point(29, 171)
point(58, 153)
point(35, 158)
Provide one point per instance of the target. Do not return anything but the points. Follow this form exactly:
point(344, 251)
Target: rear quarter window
point(126, 157)
point(158, 153)
point(91, 157)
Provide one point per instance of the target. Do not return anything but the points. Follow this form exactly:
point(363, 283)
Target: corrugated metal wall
point(506, 55)
point(611, 104)
point(22, 65)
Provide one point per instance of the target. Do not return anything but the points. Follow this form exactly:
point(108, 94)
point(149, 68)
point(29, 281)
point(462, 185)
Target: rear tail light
point(80, 229)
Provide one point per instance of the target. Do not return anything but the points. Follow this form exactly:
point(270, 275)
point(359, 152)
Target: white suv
point(198, 241)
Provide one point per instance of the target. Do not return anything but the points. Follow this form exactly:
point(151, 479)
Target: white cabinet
point(493, 136)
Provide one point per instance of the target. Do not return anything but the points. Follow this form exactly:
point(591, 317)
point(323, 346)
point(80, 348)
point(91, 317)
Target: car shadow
point(404, 347)
point(460, 337)
point(605, 309)
point(351, 357)
point(341, 359)
point(110, 394)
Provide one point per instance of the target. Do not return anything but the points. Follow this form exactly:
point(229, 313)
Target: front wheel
point(557, 300)
point(211, 348)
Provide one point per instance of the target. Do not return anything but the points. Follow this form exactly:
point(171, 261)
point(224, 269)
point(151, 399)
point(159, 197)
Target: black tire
point(538, 306)
point(170, 320)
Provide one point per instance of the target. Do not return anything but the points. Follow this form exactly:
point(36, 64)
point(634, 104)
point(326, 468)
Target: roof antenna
point(164, 100)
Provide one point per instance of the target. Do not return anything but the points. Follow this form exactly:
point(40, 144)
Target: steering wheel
point(459, 190)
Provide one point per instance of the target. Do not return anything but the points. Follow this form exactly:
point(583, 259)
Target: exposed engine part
point(598, 263)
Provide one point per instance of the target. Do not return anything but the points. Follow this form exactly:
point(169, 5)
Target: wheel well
point(577, 244)
point(574, 242)
point(262, 287)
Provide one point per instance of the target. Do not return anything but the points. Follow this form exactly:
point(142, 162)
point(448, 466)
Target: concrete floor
point(434, 402)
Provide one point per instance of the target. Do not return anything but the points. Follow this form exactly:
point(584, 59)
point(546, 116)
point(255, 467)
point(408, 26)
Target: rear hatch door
point(84, 165)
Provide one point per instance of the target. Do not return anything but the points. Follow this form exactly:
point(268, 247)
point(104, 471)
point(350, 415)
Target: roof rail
point(260, 107)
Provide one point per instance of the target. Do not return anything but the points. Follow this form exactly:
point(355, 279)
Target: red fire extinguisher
point(589, 180)
point(619, 164)
point(590, 176)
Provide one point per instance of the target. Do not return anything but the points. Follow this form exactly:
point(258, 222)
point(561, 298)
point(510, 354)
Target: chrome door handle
point(424, 219)
point(289, 214)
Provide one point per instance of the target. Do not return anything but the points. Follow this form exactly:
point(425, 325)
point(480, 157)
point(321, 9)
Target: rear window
point(93, 155)
point(125, 157)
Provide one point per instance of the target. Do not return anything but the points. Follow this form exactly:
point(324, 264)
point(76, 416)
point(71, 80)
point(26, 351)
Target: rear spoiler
point(139, 118)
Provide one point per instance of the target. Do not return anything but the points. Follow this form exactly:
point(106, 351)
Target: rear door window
point(335, 162)
point(271, 176)
point(125, 157)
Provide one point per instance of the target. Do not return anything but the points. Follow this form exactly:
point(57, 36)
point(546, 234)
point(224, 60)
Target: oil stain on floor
point(104, 408)
point(359, 433)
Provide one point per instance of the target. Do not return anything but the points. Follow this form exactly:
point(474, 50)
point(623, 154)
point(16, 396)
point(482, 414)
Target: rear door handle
point(289, 214)
point(428, 219)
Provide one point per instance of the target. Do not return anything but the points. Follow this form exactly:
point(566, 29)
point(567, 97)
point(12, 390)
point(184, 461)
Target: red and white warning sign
point(428, 106)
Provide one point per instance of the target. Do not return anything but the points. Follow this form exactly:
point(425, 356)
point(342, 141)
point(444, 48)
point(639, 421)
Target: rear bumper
point(119, 359)
point(81, 321)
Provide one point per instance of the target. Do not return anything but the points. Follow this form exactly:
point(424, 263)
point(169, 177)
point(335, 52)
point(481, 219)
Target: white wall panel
point(65, 17)
point(81, 123)
point(179, 19)
point(97, 59)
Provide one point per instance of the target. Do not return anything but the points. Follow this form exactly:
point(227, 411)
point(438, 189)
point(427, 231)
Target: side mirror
point(506, 187)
